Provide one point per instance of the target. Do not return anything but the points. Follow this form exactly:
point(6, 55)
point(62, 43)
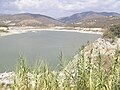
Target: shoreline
point(20, 31)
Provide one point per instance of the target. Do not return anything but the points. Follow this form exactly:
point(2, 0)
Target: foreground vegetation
point(86, 76)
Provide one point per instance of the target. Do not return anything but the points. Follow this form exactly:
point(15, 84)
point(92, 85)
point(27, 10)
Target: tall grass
point(86, 75)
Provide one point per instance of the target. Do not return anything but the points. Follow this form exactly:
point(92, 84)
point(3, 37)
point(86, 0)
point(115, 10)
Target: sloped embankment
point(104, 47)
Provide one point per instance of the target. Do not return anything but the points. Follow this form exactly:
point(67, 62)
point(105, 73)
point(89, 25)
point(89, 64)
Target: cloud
point(58, 8)
point(8, 6)
point(66, 5)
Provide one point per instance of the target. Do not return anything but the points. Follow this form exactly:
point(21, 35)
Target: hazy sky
point(58, 8)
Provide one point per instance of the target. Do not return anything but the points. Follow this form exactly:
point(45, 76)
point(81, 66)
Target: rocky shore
point(6, 78)
point(105, 47)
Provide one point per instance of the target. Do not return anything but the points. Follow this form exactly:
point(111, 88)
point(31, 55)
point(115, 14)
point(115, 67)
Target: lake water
point(41, 44)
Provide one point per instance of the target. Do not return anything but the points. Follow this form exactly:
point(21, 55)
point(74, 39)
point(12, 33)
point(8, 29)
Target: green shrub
point(4, 31)
point(112, 32)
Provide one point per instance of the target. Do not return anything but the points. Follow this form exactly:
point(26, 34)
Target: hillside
point(85, 19)
point(27, 19)
point(92, 19)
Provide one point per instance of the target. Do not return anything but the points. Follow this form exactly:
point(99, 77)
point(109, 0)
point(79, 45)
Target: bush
point(3, 31)
point(3, 25)
point(112, 32)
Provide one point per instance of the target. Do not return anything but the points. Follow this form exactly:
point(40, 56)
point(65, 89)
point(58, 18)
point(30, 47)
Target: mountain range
point(28, 19)
point(92, 19)
point(84, 19)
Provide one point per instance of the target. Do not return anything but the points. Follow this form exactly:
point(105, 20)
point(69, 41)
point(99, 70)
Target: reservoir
point(45, 45)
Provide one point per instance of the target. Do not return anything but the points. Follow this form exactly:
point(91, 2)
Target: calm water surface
point(41, 44)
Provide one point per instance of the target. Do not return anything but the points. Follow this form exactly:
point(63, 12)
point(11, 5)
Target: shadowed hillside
point(92, 19)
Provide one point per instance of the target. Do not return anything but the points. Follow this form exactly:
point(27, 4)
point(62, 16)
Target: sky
point(58, 8)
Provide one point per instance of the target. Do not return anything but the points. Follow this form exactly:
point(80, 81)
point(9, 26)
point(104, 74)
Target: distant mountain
point(28, 19)
point(92, 19)
point(84, 19)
